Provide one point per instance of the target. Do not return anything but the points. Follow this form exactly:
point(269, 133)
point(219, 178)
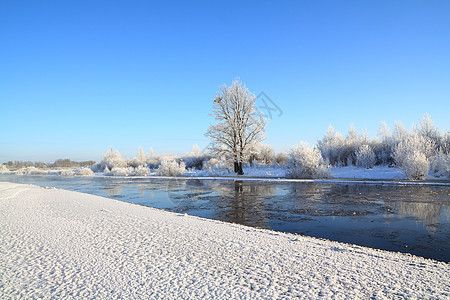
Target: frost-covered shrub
point(262, 154)
point(3, 169)
point(411, 155)
point(67, 173)
point(117, 171)
point(110, 160)
point(440, 164)
point(141, 171)
point(30, 171)
point(415, 165)
point(306, 162)
point(365, 157)
point(170, 167)
point(217, 166)
point(85, 172)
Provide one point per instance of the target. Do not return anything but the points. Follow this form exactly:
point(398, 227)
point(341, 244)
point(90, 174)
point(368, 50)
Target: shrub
point(262, 154)
point(67, 173)
point(195, 161)
point(31, 171)
point(216, 166)
point(306, 162)
point(415, 165)
point(170, 167)
point(109, 161)
point(412, 155)
point(117, 171)
point(440, 164)
point(3, 169)
point(141, 171)
point(85, 172)
point(365, 157)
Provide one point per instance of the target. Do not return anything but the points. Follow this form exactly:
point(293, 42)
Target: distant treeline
point(59, 163)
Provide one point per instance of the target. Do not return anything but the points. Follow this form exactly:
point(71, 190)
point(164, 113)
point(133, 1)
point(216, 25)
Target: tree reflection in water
point(244, 203)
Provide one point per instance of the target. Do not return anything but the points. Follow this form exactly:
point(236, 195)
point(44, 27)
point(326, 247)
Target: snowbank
point(377, 172)
point(61, 244)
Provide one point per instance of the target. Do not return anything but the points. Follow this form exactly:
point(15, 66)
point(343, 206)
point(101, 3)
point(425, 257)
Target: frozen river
point(406, 218)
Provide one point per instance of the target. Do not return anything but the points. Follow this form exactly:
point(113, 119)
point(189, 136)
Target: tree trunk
point(240, 170)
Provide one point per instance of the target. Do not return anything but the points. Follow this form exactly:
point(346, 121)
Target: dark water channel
point(406, 218)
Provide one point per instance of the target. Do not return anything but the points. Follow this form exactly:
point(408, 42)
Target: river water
point(405, 218)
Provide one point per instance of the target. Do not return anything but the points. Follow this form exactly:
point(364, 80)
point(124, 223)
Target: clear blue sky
point(77, 77)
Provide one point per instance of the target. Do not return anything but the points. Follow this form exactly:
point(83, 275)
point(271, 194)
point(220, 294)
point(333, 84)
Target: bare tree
point(239, 125)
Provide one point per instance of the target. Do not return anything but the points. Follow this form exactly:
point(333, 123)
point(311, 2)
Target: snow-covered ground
point(61, 244)
point(377, 172)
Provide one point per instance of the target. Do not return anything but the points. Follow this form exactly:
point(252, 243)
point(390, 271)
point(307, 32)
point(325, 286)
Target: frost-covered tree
point(412, 155)
point(352, 142)
point(239, 124)
point(383, 150)
point(399, 134)
point(445, 143)
point(365, 157)
point(440, 164)
point(306, 162)
point(415, 165)
point(426, 129)
point(331, 146)
point(142, 158)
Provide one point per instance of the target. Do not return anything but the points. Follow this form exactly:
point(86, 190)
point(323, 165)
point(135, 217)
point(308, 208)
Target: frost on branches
point(239, 124)
point(306, 162)
point(170, 167)
point(111, 159)
point(365, 157)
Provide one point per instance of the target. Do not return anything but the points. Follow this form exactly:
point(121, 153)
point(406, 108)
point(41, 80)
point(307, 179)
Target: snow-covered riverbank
point(67, 244)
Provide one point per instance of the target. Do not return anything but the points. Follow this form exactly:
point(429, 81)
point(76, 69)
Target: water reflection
point(410, 218)
point(114, 190)
point(242, 203)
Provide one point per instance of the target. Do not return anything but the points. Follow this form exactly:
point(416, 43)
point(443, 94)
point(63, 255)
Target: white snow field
point(62, 244)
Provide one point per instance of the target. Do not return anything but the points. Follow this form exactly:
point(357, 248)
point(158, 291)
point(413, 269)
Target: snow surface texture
point(61, 244)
